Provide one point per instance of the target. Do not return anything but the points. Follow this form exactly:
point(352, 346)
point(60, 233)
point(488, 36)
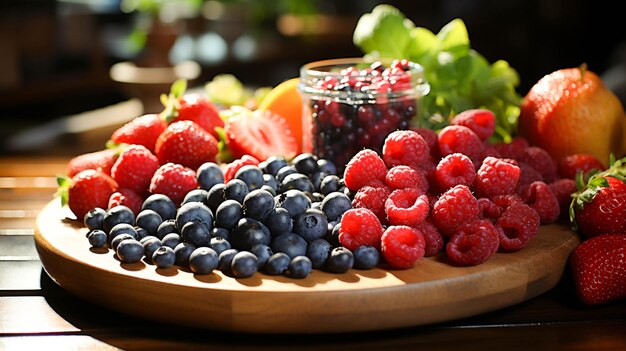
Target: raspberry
point(489, 210)
point(505, 201)
point(454, 169)
point(432, 237)
point(432, 140)
point(402, 246)
point(373, 198)
point(563, 190)
point(232, 168)
point(514, 149)
point(359, 227)
point(569, 166)
point(405, 147)
point(473, 243)
point(540, 197)
point(402, 177)
point(480, 121)
point(453, 208)
point(496, 177)
point(518, 224)
point(128, 198)
point(460, 139)
point(527, 176)
point(364, 167)
point(540, 160)
point(407, 207)
point(174, 181)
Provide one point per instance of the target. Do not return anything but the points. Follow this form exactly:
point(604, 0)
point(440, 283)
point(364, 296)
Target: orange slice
point(285, 100)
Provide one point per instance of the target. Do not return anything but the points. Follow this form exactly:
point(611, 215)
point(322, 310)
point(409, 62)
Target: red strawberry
point(598, 266)
point(231, 169)
point(128, 198)
point(86, 190)
point(599, 207)
point(101, 160)
point(185, 143)
point(174, 181)
point(143, 130)
point(568, 166)
point(260, 134)
point(134, 168)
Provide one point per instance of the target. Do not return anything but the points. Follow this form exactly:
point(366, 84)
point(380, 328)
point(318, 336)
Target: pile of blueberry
point(278, 217)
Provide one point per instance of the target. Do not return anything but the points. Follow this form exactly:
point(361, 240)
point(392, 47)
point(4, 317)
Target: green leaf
point(385, 30)
point(64, 183)
point(453, 37)
point(178, 88)
point(423, 43)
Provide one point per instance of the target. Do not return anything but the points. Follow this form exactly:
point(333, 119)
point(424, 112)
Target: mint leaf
point(385, 30)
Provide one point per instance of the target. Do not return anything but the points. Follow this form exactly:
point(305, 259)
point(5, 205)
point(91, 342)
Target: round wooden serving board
point(432, 291)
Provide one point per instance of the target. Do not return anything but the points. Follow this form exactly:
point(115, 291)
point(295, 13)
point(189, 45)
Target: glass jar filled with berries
point(352, 104)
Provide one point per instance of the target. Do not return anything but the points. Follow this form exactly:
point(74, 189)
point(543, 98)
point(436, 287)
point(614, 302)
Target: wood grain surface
point(433, 291)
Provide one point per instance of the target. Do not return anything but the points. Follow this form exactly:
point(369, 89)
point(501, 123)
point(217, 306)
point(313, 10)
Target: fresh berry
point(201, 111)
point(311, 225)
point(569, 166)
point(454, 169)
point(366, 257)
point(236, 189)
point(209, 174)
point(130, 251)
point(101, 160)
point(496, 177)
point(373, 198)
point(518, 224)
point(318, 252)
point(563, 190)
point(277, 264)
point(88, 189)
point(454, 207)
point(194, 233)
point(600, 207)
point(164, 257)
point(244, 264)
point(203, 260)
point(234, 166)
point(513, 150)
point(598, 266)
point(473, 243)
point(360, 226)
point(402, 177)
point(279, 221)
point(527, 176)
point(134, 168)
point(432, 140)
point(160, 204)
point(97, 238)
point(290, 243)
point(228, 214)
point(402, 246)
point(432, 237)
point(363, 168)
point(260, 134)
point(149, 220)
point(174, 181)
point(480, 121)
point(126, 197)
point(405, 147)
point(258, 204)
point(194, 212)
point(143, 130)
point(185, 143)
point(406, 207)
point(335, 205)
point(299, 267)
point(183, 251)
point(341, 259)
point(541, 161)
point(460, 139)
point(540, 197)
point(94, 218)
point(487, 209)
point(117, 215)
point(294, 201)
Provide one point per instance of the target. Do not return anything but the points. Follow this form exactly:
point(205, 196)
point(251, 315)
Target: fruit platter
point(361, 195)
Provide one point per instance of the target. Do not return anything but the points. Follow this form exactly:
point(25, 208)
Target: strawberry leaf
point(171, 101)
point(64, 183)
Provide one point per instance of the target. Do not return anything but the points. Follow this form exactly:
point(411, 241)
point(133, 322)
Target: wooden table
point(35, 313)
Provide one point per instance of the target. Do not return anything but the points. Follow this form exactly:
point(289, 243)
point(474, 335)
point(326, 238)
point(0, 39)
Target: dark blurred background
point(56, 55)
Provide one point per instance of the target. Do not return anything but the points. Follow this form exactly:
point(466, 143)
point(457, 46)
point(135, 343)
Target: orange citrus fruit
point(285, 100)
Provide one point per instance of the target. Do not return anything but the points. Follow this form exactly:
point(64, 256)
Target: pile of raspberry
point(454, 191)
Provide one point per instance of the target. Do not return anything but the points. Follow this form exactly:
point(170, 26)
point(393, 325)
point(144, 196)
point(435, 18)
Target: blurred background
point(67, 67)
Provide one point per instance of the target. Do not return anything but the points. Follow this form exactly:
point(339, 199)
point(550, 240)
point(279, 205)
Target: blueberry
point(305, 163)
point(335, 205)
point(228, 214)
point(182, 252)
point(251, 175)
point(130, 251)
point(122, 228)
point(196, 234)
point(299, 267)
point(326, 166)
point(116, 215)
point(164, 257)
point(284, 172)
point(141, 233)
point(332, 235)
point(269, 189)
point(166, 227)
point(150, 245)
point(203, 260)
point(318, 252)
point(311, 225)
point(292, 244)
point(219, 244)
point(315, 197)
point(262, 253)
point(218, 232)
point(258, 204)
point(194, 212)
point(235, 189)
point(244, 264)
point(279, 221)
point(248, 233)
point(297, 181)
point(171, 240)
point(277, 264)
point(118, 239)
point(316, 205)
point(149, 220)
point(161, 204)
point(293, 201)
point(273, 164)
point(225, 259)
point(316, 179)
point(329, 184)
point(196, 195)
point(366, 257)
point(94, 218)
point(97, 238)
point(216, 196)
point(340, 260)
point(209, 174)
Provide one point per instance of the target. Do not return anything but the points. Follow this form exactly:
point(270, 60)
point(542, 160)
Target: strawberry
point(88, 189)
point(599, 206)
point(598, 266)
point(101, 160)
point(569, 166)
point(231, 168)
point(134, 168)
point(174, 181)
point(143, 130)
point(260, 134)
point(128, 198)
point(185, 143)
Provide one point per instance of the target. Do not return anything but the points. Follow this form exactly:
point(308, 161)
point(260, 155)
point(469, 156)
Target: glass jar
point(351, 104)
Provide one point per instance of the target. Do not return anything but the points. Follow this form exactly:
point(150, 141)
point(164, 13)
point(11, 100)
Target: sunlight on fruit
point(285, 100)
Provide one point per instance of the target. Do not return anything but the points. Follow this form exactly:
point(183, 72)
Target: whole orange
point(571, 111)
